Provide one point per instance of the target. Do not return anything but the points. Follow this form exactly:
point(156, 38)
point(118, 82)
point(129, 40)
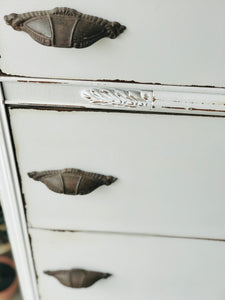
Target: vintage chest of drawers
point(158, 228)
point(113, 186)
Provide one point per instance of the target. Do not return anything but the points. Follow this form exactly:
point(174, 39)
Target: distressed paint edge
point(112, 83)
point(162, 102)
point(12, 205)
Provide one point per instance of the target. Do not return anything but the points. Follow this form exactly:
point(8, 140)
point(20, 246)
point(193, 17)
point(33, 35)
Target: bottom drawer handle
point(77, 278)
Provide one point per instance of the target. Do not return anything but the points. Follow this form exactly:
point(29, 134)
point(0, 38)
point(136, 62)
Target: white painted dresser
point(146, 108)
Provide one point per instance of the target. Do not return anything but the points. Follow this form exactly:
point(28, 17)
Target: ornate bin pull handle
point(77, 278)
point(64, 27)
point(72, 181)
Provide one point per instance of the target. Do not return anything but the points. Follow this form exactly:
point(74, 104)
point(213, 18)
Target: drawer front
point(178, 42)
point(170, 171)
point(141, 267)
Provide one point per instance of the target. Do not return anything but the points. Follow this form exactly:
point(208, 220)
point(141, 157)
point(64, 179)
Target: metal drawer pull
point(77, 278)
point(64, 27)
point(72, 181)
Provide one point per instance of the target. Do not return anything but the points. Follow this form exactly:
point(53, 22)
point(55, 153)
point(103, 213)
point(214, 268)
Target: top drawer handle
point(72, 181)
point(64, 27)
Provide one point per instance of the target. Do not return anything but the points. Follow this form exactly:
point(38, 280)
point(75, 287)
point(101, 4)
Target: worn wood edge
point(158, 101)
point(11, 201)
point(162, 99)
point(4, 77)
point(127, 234)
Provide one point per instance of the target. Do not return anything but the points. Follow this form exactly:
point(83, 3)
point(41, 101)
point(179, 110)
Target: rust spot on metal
point(153, 99)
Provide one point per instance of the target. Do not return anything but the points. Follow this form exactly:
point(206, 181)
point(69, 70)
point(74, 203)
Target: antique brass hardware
point(77, 278)
point(72, 181)
point(64, 27)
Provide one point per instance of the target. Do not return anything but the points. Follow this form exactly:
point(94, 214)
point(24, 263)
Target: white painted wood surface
point(172, 42)
point(170, 171)
point(12, 205)
point(160, 98)
point(142, 267)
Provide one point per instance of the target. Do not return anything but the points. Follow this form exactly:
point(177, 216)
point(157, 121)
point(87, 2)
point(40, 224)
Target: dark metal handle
point(77, 278)
point(72, 181)
point(64, 27)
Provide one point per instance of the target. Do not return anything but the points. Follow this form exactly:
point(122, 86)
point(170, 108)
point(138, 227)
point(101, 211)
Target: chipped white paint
point(189, 101)
point(114, 95)
point(158, 101)
point(120, 98)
